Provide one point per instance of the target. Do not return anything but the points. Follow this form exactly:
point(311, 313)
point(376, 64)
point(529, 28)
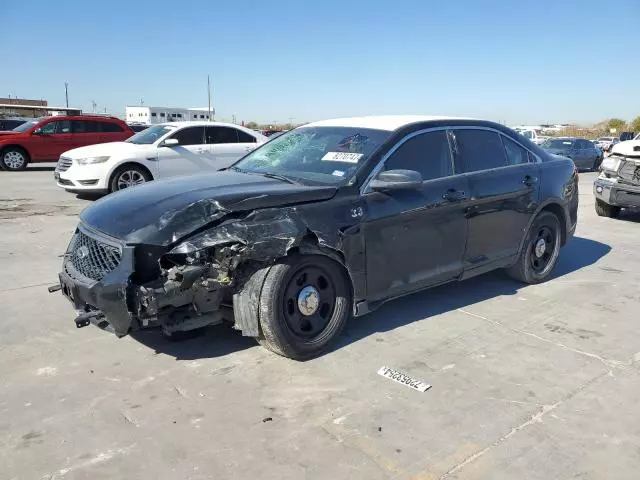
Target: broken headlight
point(611, 164)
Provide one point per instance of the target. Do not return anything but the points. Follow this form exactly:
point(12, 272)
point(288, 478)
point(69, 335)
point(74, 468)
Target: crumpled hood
point(105, 149)
point(164, 212)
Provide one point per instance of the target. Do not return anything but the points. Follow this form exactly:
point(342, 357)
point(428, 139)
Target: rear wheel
point(128, 176)
point(304, 304)
point(14, 159)
point(605, 210)
point(540, 252)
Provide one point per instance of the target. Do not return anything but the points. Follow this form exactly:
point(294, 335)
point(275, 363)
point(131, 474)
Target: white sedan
point(161, 151)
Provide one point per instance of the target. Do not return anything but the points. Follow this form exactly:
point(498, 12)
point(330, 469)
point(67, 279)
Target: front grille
point(92, 258)
point(63, 164)
point(630, 172)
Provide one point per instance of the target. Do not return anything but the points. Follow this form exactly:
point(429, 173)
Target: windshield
point(150, 135)
point(27, 125)
point(526, 133)
point(324, 155)
point(558, 143)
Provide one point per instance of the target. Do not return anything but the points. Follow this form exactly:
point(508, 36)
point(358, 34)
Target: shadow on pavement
point(89, 196)
point(220, 340)
point(630, 215)
point(40, 168)
point(577, 254)
point(208, 342)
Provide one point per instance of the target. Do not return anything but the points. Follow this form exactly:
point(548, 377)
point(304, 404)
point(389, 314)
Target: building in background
point(27, 108)
point(154, 115)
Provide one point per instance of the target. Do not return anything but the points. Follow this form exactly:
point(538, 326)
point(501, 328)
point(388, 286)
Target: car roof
point(199, 123)
point(380, 122)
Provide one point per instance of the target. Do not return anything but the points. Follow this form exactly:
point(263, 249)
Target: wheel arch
point(245, 305)
point(554, 206)
point(16, 145)
point(119, 166)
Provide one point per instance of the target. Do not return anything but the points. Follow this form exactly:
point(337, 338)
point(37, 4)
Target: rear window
point(480, 150)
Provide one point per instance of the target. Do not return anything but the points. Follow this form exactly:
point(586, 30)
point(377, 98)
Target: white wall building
point(154, 115)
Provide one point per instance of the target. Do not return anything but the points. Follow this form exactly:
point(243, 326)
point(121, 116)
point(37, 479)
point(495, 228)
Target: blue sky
point(510, 61)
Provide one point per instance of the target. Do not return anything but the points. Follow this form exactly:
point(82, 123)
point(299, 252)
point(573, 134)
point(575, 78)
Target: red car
point(45, 139)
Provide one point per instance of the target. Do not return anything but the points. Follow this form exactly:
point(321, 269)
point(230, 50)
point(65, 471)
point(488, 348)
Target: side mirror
point(37, 131)
point(170, 142)
point(396, 180)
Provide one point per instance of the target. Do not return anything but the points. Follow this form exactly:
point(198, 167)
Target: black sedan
point(327, 221)
point(583, 152)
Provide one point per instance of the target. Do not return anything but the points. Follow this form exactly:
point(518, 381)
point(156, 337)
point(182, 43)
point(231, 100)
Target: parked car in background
point(45, 139)
point(583, 152)
point(160, 151)
point(618, 185)
point(607, 142)
point(319, 224)
point(531, 135)
point(7, 124)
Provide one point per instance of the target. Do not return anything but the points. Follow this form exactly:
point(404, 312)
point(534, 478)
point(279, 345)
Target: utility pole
point(209, 96)
point(93, 106)
point(66, 93)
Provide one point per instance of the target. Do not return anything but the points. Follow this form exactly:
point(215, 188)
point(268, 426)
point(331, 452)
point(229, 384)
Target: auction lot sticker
point(346, 157)
point(403, 379)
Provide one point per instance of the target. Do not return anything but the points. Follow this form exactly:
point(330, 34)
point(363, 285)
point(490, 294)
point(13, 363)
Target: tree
point(635, 125)
point(252, 125)
point(617, 123)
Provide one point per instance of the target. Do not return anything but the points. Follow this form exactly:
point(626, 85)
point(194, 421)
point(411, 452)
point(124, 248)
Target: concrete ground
point(535, 382)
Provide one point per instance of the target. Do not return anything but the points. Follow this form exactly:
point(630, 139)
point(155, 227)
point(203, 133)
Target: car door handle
point(454, 195)
point(530, 181)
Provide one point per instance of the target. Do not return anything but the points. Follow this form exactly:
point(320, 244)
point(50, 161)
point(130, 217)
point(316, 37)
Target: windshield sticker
point(338, 173)
point(345, 157)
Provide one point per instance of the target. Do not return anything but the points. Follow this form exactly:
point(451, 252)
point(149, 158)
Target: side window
point(479, 150)
point(244, 137)
point(427, 153)
point(516, 155)
point(222, 135)
point(109, 127)
point(84, 126)
point(190, 136)
point(60, 126)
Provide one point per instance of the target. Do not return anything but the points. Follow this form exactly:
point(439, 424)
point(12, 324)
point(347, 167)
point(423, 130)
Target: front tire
point(540, 252)
point(14, 159)
point(605, 210)
point(128, 176)
point(304, 304)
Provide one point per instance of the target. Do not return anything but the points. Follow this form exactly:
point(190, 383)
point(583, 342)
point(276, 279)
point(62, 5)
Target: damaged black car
point(325, 222)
